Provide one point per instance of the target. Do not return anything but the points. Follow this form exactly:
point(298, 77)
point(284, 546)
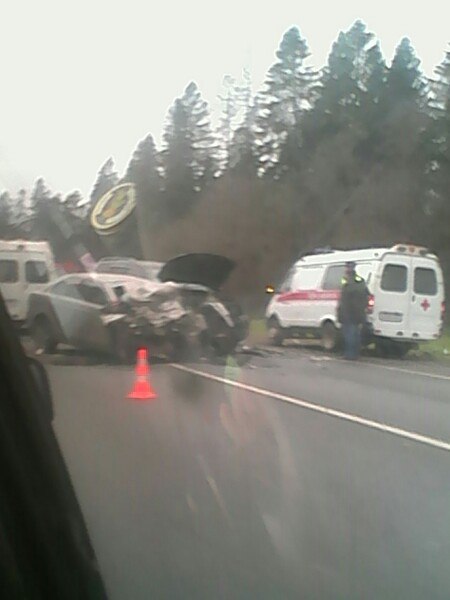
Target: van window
point(425, 281)
point(307, 278)
point(333, 277)
point(9, 271)
point(36, 271)
point(287, 283)
point(394, 278)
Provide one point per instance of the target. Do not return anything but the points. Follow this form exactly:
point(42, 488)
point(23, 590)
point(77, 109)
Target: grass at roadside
point(258, 332)
point(439, 349)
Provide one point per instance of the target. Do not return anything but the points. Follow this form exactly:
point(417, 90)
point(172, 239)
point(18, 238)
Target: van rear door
point(426, 298)
point(12, 285)
point(392, 295)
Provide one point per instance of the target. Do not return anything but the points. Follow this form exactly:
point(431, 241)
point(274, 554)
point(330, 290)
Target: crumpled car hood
point(209, 270)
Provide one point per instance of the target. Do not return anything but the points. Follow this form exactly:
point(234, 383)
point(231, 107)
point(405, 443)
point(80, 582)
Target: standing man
point(352, 310)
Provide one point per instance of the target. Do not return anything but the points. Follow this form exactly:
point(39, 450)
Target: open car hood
point(210, 270)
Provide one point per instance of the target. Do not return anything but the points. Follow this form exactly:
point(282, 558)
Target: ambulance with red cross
point(406, 302)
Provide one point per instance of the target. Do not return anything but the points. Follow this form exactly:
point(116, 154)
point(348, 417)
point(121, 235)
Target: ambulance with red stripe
point(406, 302)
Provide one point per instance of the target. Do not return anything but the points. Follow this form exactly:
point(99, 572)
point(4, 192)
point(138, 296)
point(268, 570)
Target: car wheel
point(41, 334)
point(329, 336)
point(275, 331)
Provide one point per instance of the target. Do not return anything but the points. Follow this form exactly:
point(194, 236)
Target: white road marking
point(388, 367)
point(331, 412)
point(407, 371)
point(213, 487)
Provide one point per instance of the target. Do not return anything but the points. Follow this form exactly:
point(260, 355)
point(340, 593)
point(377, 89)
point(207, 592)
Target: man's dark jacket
point(353, 301)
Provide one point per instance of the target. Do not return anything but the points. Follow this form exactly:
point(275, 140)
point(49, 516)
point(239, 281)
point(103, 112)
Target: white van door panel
point(426, 299)
point(391, 316)
point(305, 296)
point(278, 305)
point(328, 299)
point(12, 285)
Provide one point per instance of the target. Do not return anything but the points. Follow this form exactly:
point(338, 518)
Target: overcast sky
point(85, 80)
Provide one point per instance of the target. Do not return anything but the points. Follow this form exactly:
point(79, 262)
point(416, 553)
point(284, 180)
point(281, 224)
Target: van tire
point(329, 336)
point(275, 331)
point(401, 350)
point(386, 348)
point(42, 336)
point(391, 349)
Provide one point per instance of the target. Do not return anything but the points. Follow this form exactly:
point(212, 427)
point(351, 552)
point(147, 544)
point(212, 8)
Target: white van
point(406, 302)
point(24, 267)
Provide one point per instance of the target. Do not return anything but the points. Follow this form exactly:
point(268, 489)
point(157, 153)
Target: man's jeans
point(352, 340)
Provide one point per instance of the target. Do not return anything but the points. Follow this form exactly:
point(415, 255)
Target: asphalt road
point(291, 476)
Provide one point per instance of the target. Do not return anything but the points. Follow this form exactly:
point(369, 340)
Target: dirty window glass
point(333, 277)
point(9, 271)
point(394, 278)
point(425, 281)
point(307, 278)
point(287, 283)
point(92, 293)
point(63, 288)
point(36, 271)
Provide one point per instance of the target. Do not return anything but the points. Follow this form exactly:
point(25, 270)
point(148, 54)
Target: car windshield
point(225, 234)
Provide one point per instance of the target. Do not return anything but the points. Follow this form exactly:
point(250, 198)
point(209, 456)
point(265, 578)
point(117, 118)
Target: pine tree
point(20, 208)
point(143, 172)
point(188, 157)
point(405, 82)
point(243, 157)
point(290, 90)
point(5, 215)
point(373, 110)
point(441, 83)
point(39, 202)
point(73, 203)
point(404, 102)
point(40, 193)
point(200, 134)
point(349, 83)
point(436, 142)
point(230, 111)
point(107, 178)
point(236, 105)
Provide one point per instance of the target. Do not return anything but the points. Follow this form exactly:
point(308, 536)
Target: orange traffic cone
point(142, 389)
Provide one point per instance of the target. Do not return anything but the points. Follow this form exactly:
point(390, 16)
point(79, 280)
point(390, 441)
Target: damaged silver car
point(180, 316)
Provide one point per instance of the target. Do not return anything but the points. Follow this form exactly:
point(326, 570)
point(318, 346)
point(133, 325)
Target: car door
point(92, 334)
point(392, 299)
point(64, 298)
point(426, 298)
point(36, 274)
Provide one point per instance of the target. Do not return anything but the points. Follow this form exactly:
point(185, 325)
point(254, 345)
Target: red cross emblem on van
point(425, 304)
